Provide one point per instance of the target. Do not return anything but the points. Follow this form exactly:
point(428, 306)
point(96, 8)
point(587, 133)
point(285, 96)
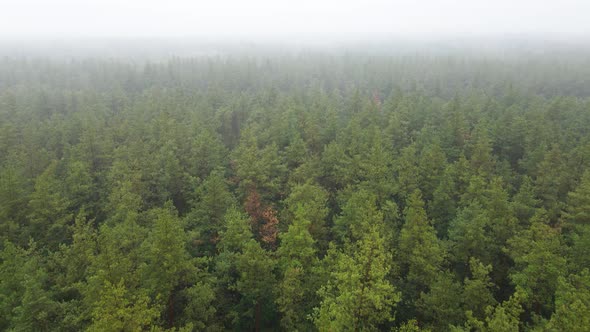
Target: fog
point(151, 29)
point(293, 21)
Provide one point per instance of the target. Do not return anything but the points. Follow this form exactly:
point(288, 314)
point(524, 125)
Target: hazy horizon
point(307, 22)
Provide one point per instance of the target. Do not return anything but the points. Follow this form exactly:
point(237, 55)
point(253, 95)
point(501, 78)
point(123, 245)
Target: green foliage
point(539, 262)
point(478, 289)
point(481, 158)
point(524, 201)
point(236, 231)
point(579, 252)
point(410, 326)
point(443, 207)
point(297, 193)
point(118, 310)
point(408, 176)
point(199, 311)
point(297, 258)
point(168, 265)
point(48, 206)
point(377, 169)
point(441, 305)
point(549, 182)
point(80, 189)
point(421, 253)
point(310, 202)
point(503, 317)
point(334, 163)
point(578, 202)
point(207, 152)
point(213, 198)
point(255, 283)
point(358, 295)
point(431, 167)
point(468, 236)
point(14, 190)
point(572, 303)
point(577, 221)
point(358, 209)
point(297, 245)
point(26, 302)
point(260, 168)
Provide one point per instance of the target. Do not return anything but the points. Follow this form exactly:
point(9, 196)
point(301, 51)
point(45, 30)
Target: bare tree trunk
point(170, 312)
point(257, 317)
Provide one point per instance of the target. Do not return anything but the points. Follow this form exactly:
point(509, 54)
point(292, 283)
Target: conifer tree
point(255, 283)
point(421, 254)
point(572, 303)
point(167, 263)
point(360, 206)
point(359, 295)
point(539, 262)
point(297, 259)
point(478, 289)
point(118, 310)
point(212, 200)
point(578, 203)
point(49, 215)
point(310, 201)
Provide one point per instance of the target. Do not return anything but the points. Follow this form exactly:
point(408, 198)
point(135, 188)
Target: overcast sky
point(304, 19)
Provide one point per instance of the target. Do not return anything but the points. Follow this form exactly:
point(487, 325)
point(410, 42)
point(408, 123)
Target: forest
point(296, 192)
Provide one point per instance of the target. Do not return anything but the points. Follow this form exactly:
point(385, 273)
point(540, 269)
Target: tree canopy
point(316, 192)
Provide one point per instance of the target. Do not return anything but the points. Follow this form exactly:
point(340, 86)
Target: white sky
point(256, 19)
